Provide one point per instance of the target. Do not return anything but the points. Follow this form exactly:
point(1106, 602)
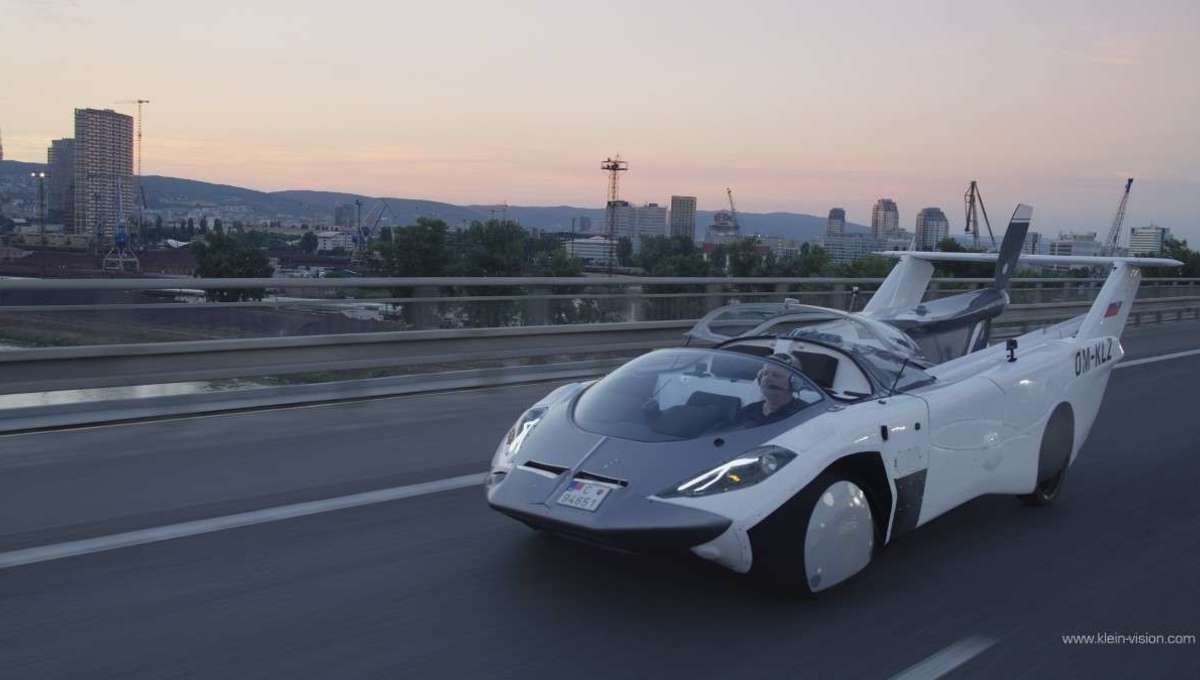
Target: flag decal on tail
point(1114, 308)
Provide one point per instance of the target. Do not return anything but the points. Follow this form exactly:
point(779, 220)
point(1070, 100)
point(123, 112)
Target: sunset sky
point(798, 106)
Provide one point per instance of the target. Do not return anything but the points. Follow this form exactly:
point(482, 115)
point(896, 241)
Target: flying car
point(793, 442)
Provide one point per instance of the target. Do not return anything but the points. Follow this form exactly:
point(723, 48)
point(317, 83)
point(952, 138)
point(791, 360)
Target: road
point(437, 585)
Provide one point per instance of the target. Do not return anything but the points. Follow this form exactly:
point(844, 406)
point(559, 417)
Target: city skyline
point(235, 102)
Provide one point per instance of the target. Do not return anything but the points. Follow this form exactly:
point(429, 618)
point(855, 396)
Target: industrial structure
point(973, 203)
point(1113, 242)
point(614, 167)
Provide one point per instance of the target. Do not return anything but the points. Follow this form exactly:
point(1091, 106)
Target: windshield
point(856, 330)
point(676, 394)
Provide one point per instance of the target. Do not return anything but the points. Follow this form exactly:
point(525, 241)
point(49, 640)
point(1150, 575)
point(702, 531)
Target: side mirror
point(1011, 346)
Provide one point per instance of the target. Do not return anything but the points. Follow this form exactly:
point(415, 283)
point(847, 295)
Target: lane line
point(942, 662)
point(168, 532)
point(1161, 357)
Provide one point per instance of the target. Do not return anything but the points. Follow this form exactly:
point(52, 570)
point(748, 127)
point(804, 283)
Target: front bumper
point(625, 521)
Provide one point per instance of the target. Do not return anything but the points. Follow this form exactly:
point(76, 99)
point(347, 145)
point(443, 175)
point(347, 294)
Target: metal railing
point(141, 340)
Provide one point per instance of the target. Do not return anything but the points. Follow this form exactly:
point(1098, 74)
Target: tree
point(491, 248)
point(218, 227)
point(385, 234)
point(418, 250)
point(220, 256)
point(308, 242)
point(949, 245)
point(624, 251)
point(204, 223)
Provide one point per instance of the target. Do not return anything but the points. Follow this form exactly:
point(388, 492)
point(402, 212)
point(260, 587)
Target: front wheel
point(822, 536)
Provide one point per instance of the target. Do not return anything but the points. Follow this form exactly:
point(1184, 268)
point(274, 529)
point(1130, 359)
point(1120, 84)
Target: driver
point(779, 400)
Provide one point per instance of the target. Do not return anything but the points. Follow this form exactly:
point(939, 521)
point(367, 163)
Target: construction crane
point(614, 167)
point(1114, 234)
point(139, 102)
point(737, 227)
point(973, 202)
point(364, 235)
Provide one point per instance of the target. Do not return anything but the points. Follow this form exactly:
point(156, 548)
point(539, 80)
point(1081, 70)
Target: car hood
point(645, 468)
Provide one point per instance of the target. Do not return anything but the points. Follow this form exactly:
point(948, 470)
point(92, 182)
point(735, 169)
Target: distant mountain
point(399, 210)
point(316, 207)
point(167, 193)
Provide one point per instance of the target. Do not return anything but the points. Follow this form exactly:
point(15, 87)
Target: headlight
point(516, 435)
point(748, 469)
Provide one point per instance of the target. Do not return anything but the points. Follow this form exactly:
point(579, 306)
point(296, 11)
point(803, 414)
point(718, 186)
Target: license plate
point(584, 495)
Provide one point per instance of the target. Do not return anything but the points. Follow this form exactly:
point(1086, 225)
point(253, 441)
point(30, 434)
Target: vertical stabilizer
point(904, 286)
point(1109, 312)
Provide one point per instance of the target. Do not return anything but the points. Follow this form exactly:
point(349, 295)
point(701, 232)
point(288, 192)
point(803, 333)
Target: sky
point(798, 106)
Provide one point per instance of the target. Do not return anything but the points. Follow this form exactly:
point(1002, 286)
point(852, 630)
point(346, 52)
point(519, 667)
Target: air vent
point(544, 469)
point(592, 477)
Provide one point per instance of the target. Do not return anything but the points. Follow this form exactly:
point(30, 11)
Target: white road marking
point(941, 663)
point(87, 546)
point(1161, 357)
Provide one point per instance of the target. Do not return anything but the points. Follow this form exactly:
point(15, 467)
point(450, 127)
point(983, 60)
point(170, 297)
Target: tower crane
point(142, 206)
point(1114, 233)
point(973, 201)
point(737, 227)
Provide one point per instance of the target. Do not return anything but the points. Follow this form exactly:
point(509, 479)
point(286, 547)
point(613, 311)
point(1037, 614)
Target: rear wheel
point(1054, 456)
point(821, 537)
point(1046, 491)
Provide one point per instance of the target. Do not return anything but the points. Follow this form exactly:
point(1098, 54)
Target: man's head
point(775, 381)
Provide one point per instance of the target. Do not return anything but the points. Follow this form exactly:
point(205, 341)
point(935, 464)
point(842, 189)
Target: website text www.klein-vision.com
point(1110, 638)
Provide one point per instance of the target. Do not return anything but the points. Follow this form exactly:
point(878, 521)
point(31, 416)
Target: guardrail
point(89, 366)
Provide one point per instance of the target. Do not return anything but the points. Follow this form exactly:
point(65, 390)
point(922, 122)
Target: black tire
point(1046, 492)
point(1054, 456)
point(778, 542)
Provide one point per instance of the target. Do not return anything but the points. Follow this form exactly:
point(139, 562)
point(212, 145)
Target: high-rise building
point(850, 247)
point(1075, 243)
point(683, 216)
point(931, 227)
point(624, 220)
point(835, 224)
point(652, 220)
point(60, 199)
point(344, 215)
point(583, 224)
point(885, 218)
point(104, 184)
point(1148, 240)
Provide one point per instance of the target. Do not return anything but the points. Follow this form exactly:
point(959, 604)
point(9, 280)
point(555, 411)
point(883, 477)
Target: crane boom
point(1114, 234)
point(733, 210)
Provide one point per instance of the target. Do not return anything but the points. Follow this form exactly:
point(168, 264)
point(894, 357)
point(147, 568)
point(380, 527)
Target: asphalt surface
point(438, 585)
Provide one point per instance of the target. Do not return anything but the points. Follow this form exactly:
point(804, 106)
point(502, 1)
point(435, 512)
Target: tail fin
point(1109, 312)
point(1010, 247)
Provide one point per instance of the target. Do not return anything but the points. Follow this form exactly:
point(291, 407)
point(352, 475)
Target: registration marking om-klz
point(1097, 354)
